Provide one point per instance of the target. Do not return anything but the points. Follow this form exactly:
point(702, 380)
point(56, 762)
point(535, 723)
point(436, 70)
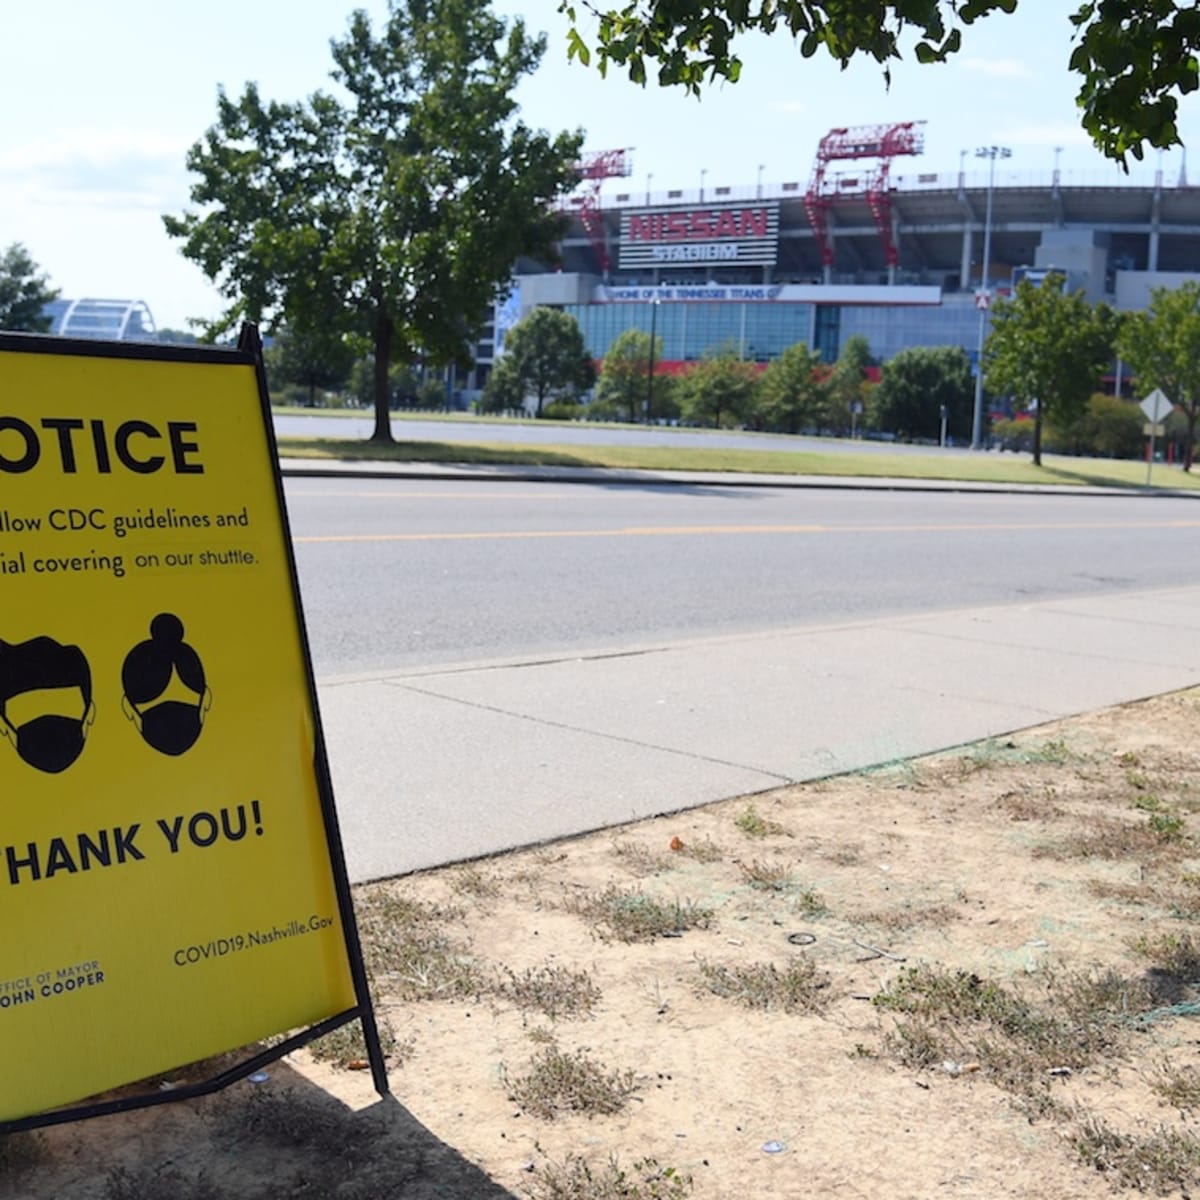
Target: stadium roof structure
point(110, 320)
point(937, 225)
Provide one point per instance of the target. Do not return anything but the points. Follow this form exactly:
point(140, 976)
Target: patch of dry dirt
point(978, 975)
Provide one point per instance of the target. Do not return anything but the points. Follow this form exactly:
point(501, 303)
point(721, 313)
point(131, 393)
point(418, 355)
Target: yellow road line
point(752, 530)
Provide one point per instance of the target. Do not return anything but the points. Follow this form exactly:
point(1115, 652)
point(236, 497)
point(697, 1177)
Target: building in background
point(860, 249)
point(114, 320)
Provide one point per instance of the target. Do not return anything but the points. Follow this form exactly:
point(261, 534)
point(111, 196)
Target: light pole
point(650, 374)
point(983, 297)
point(649, 178)
point(703, 172)
point(760, 171)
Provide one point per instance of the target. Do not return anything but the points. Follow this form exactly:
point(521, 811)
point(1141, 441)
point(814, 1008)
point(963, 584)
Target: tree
point(848, 384)
point(793, 391)
point(718, 390)
point(544, 357)
point(309, 359)
point(24, 293)
point(1133, 57)
point(916, 384)
point(1048, 348)
point(624, 384)
point(397, 215)
point(1109, 428)
point(1162, 346)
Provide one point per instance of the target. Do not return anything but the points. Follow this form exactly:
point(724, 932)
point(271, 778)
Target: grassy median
point(842, 459)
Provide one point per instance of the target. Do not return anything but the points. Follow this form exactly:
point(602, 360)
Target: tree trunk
point(385, 329)
point(1037, 436)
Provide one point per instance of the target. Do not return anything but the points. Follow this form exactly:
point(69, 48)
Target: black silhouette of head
point(165, 664)
point(45, 701)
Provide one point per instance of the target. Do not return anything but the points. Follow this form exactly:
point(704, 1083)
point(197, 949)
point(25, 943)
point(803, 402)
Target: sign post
point(1156, 406)
point(171, 877)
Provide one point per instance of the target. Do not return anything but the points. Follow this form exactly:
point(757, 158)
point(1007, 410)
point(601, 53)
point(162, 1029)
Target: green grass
point(840, 460)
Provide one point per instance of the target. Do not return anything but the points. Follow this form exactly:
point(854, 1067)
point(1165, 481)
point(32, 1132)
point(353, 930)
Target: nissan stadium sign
point(734, 234)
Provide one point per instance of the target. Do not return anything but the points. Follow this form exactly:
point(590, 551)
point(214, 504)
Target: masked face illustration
point(45, 702)
point(165, 692)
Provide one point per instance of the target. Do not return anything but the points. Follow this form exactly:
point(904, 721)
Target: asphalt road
point(406, 574)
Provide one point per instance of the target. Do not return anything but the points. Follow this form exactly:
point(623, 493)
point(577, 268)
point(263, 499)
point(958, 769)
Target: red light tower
point(595, 167)
point(881, 142)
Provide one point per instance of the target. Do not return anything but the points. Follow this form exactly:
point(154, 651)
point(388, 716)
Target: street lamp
point(649, 178)
point(703, 172)
point(983, 296)
point(654, 301)
point(760, 171)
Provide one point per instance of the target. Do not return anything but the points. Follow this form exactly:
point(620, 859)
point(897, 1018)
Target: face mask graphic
point(50, 743)
point(172, 726)
point(165, 692)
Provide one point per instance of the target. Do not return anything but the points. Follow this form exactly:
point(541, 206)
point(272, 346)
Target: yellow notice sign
point(167, 889)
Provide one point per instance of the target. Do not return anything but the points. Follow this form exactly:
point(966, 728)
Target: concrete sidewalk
point(435, 767)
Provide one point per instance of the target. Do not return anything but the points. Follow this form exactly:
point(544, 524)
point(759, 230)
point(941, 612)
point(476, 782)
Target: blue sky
point(103, 101)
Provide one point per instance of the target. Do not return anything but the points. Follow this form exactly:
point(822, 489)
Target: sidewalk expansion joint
point(593, 733)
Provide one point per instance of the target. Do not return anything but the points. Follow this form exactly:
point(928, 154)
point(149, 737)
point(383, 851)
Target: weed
point(404, 940)
point(768, 877)
point(1179, 896)
point(577, 1179)
point(1167, 827)
point(559, 1082)
point(1017, 1041)
point(985, 755)
point(918, 1044)
point(1027, 806)
point(632, 916)
point(1056, 751)
point(1161, 1162)
point(1177, 954)
point(1148, 803)
point(753, 824)
point(706, 851)
point(808, 903)
point(639, 859)
point(556, 992)
point(991, 753)
point(346, 1044)
point(1110, 839)
point(1177, 1086)
point(911, 918)
point(798, 987)
point(469, 880)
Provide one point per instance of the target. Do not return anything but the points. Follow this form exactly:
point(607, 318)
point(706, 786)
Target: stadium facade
point(896, 258)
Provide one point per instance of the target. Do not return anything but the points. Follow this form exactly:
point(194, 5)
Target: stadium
point(859, 246)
